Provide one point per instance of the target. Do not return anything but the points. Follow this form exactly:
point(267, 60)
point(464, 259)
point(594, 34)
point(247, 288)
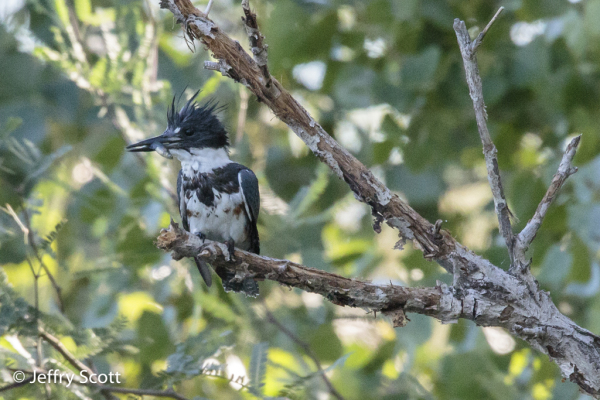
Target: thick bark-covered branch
point(480, 292)
point(337, 289)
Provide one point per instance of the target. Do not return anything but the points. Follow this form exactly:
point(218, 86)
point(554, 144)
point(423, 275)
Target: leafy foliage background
point(80, 78)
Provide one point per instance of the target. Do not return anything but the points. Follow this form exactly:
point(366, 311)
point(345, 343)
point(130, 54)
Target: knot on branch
point(172, 238)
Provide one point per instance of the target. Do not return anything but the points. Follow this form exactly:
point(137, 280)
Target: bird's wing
point(181, 200)
point(249, 188)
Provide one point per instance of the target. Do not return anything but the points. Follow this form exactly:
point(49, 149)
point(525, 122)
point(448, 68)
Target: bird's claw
point(230, 249)
point(201, 236)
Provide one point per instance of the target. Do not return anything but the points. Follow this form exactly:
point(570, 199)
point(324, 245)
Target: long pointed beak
point(160, 144)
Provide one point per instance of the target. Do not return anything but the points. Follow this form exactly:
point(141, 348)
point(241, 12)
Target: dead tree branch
point(337, 289)
point(468, 50)
point(480, 292)
point(565, 169)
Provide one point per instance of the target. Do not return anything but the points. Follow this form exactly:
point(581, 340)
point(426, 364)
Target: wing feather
point(181, 200)
point(249, 188)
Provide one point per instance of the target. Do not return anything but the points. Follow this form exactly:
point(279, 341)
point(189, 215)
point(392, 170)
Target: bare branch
point(54, 342)
point(565, 169)
point(16, 384)
point(337, 289)
point(31, 241)
point(306, 349)
point(467, 50)
point(479, 39)
point(170, 394)
point(208, 7)
point(481, 292)
point(58, 346)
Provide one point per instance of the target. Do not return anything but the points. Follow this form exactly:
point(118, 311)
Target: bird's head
point(193, 127)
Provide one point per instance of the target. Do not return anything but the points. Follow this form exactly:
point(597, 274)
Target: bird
point(218, 199)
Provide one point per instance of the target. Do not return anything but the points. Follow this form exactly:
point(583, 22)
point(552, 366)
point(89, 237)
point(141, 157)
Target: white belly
point(225, 220)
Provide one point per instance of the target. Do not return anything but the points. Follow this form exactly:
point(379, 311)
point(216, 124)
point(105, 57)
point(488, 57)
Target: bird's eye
point(188, 132)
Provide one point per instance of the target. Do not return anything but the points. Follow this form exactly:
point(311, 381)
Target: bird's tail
point(204, 270)
point(248, 286)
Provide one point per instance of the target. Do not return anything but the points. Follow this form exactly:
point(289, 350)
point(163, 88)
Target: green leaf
point(51, 237)
point(418, 71)
point(46, 163)
point(15, 313)
point(83, 8)
point(258, 368)
point(338, 363)
point(555, 268)
point(11, 124)
point(62, 11)
point(190, 357)
point(308, 195)
point(325, 343)
point(153, 337)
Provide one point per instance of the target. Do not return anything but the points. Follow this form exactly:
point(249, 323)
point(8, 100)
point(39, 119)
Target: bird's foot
point(201, 236)
point(230, 249)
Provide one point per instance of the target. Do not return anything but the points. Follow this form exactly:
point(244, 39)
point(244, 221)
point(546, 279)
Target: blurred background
point(82, 78)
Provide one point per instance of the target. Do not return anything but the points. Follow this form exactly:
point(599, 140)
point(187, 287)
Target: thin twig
point(102, 388)
point(37, 254)
point(241, 122)
point(16, 385)
point(54, 342)
point(271, 318)
point(208, 7)
point(139, 392)
point(21, 225)
point(467, 50)
point(479, 39)
point(36, 299)
point(565, 169)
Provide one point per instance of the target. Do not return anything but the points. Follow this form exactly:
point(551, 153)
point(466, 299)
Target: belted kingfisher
point(218, 198)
